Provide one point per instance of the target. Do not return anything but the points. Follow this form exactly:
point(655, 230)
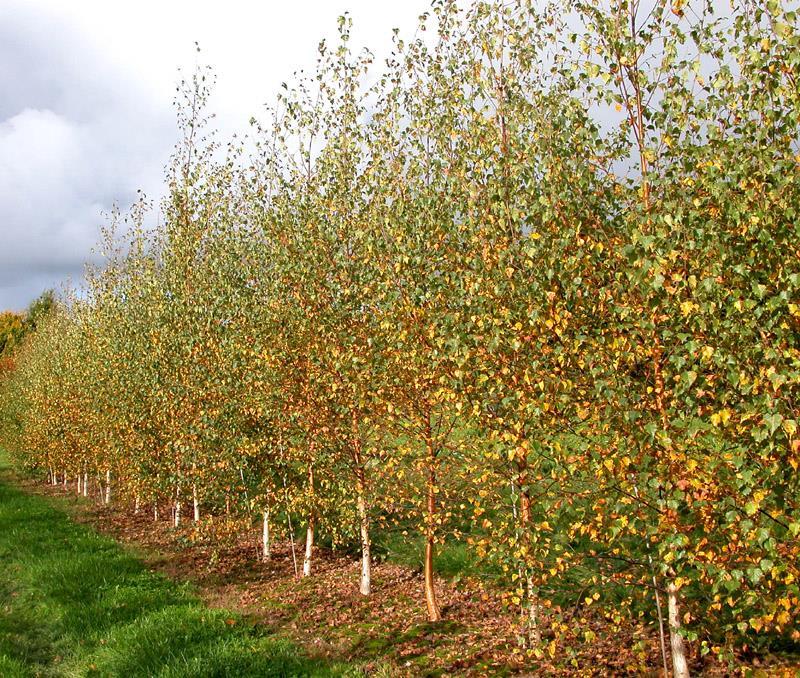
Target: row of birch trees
point(531, 285)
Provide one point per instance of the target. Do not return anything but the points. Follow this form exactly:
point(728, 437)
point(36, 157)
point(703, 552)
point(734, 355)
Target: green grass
point(452, 559)
point(74, 603)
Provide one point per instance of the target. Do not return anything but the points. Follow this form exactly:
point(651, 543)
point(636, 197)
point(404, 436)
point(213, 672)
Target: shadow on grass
point(73, 603)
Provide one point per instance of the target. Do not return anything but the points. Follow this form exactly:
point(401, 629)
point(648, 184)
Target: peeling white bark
point(680, 667)
point(366, 559)
point(309, 547)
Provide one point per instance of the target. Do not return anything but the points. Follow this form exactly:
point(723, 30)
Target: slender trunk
point(265, 553)
point(658, 602)
point(108, 487)
point(64, 476)
point(638, 124)
point(195, 503)
point(680, 667)
point(195, 498)
point(363, 518)
point(51, 476)
point(136, 504)
point(310, 527)
point(434, 613)
point(520, 565)
point(177, 506)
point(363, 514)
point(531, 622)
point(176, 511)
point(155, 513)
point(85, 483)
point(534, 634)
point(309, 546)
point(78, 484)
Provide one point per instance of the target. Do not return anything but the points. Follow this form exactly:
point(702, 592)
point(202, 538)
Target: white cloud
point(86, 116)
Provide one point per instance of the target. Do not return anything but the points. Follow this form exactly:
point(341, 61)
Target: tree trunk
point(680, 667)
point(85, 483)
point(265, 552)
point(136, 504)
point(155, 512)
point(366, 558)
point(365, 586)
point(108, 487)
point(532, 622)
point(64, 476)
point(78, 484)
point(534, 634)
point(195, 503)
point(309, 546)
point(310, 528)
point(434, 613)
point(177, 506)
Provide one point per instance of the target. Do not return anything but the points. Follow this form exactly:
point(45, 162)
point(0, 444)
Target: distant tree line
point(15, 326)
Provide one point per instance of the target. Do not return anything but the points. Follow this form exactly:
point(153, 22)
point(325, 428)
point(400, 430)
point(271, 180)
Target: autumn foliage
point(533, 286)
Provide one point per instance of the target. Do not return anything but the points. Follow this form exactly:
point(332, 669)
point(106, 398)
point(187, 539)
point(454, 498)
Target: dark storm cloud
point(76, 137)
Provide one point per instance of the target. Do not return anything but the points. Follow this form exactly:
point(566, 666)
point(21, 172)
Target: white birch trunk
point(195, 503)
point(680, 667)
point(534, 633)
point(366, 558)
point(108, 487)
point(265, 552)
point(310, 527)
point(85, 484)
point(309, 546)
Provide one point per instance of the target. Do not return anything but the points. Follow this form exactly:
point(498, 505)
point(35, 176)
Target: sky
point(86, 115)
